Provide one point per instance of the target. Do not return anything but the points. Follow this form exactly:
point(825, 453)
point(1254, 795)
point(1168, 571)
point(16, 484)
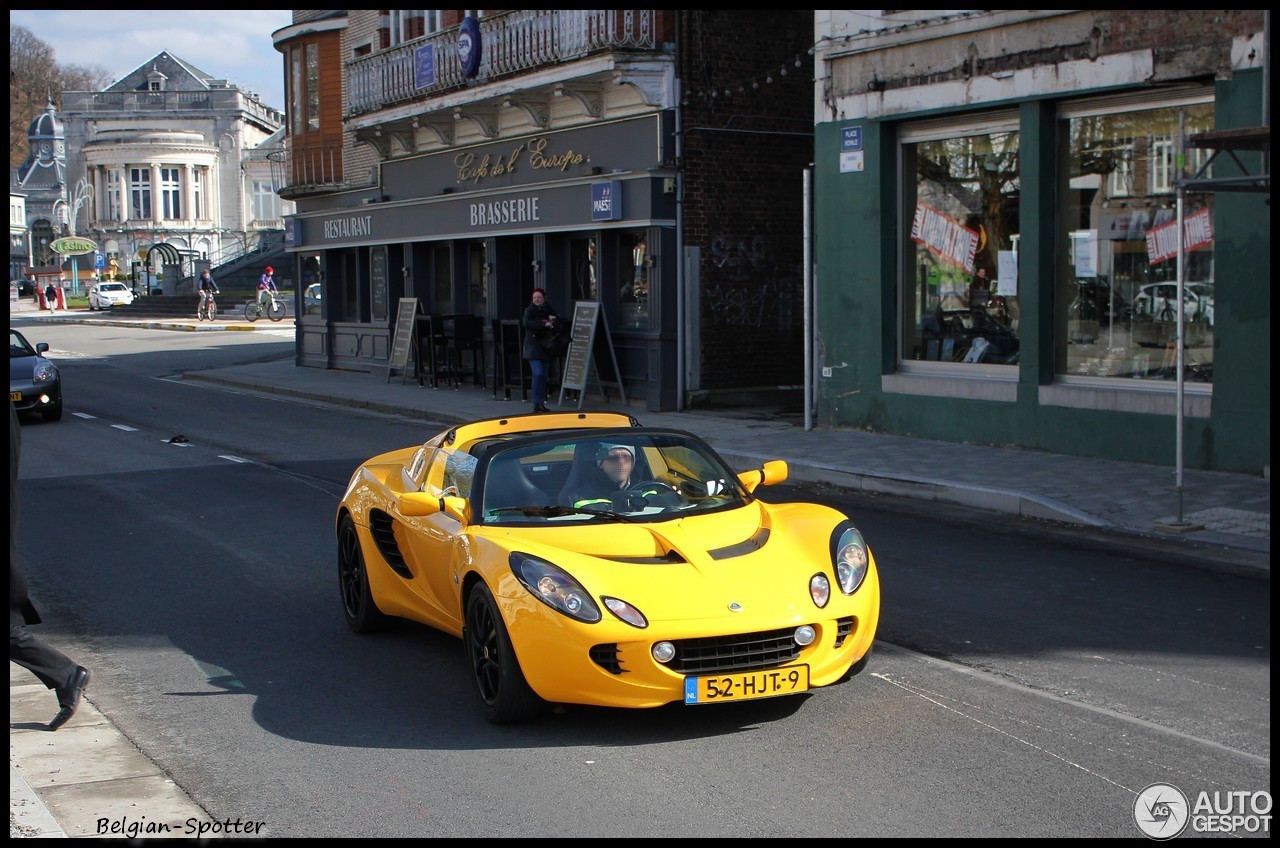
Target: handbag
point(554, 341)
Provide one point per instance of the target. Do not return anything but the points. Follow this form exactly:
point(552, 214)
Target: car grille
point(744, 652)
point(381, 527)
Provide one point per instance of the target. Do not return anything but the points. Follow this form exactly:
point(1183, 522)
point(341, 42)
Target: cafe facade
point(586, 213)
point(648, 162)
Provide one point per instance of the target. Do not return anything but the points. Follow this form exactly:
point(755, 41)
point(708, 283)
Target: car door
point(433, 544)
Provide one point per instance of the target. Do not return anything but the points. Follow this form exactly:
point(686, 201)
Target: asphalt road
point(1024, 684)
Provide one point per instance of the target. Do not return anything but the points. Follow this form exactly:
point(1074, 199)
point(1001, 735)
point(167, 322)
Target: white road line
point(127, 429)
point(178, 444)
point(230, 458)
point(84, 415)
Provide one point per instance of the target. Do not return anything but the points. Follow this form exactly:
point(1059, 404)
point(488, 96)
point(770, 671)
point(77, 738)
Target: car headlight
point(45, 372)
point(554, 587)
point(849, 557)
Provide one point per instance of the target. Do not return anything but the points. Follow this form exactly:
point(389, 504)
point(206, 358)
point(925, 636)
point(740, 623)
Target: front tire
point(504, 694)
point(276, 311)
point(358, 607)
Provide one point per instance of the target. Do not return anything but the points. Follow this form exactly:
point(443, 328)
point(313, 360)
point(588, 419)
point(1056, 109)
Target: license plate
point(746, 685)
point(15, 396)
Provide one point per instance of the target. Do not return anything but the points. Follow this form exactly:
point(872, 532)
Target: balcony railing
point(309, 168)
point(513, 43)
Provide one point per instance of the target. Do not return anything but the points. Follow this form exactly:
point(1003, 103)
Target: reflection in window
point(1116, 306)
point(582, 264)
point(633, 294)
point(960, 291)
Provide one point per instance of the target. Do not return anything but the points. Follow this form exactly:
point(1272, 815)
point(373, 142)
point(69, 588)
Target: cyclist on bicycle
point(266, 288)
point(206, 286)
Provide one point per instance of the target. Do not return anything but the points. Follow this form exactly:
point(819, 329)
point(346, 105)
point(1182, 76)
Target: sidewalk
point(1226, 517)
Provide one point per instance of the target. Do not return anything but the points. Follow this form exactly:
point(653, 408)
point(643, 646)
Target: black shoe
point(69, 696)
point(542, 407)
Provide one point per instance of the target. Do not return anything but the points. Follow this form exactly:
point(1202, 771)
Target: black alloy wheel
point(504, 694)
point(358, 607)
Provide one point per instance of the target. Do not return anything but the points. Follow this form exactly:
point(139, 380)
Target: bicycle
point(274, 310)
point(208, 309)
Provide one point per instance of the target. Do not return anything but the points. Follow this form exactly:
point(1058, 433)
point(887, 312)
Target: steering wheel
point(664, 495)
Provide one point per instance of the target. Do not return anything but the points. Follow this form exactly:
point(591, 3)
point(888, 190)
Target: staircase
point(230, 306)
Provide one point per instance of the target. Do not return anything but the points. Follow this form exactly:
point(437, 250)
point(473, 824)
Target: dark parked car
point(26, 287)
point(34, 382)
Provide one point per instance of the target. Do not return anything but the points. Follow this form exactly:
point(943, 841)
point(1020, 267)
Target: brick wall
point(748, 135)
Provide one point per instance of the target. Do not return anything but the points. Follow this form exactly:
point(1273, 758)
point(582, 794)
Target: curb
point(28, 815)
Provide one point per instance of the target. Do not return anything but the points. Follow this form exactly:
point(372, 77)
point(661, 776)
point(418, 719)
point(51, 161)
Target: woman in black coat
point(539, 322)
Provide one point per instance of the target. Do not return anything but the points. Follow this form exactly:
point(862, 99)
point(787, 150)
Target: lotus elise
point(584, 559)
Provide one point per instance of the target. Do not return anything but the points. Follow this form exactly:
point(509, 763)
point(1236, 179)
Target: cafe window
point(636, 258)
point(584, 269)
point(962, 190)
point(1115, 287)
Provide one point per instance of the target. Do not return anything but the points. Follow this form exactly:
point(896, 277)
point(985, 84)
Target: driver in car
point(614, 476)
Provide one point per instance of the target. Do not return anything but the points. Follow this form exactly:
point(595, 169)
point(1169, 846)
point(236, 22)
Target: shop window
point(633, 276)
point(960, 274)
point(583, 269)
point(1115, 289)
point(478, 276)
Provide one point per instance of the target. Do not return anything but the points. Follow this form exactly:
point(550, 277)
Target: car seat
point(505, 485)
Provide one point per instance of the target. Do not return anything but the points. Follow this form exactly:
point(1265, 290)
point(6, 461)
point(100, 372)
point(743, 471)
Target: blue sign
point(851, 138)
point(424, 66)
point(606, 201)
point(469, 47)
point(98, 261)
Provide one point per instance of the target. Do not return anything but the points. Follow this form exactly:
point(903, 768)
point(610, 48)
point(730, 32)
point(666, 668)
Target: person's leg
point(539, 369)
point(39, 657)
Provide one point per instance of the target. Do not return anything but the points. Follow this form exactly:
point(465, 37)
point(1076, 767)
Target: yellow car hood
point(695, 567)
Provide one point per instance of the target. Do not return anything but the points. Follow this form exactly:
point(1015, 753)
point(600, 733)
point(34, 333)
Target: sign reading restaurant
point(355, 226)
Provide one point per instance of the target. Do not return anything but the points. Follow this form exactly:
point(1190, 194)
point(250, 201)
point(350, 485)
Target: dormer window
point(156, 80)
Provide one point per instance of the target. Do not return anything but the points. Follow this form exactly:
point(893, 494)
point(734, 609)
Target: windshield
point(18, 346)
point(111, 287)
point(605, 476)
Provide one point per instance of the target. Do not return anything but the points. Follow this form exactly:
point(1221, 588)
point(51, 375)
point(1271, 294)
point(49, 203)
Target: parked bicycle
point(268, 304)
point(208, 308)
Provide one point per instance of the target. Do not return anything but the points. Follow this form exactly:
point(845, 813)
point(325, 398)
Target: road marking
point(126, 428)
point(177, 444)
point(84, 415)
point(230, 458)
point(1040, 693)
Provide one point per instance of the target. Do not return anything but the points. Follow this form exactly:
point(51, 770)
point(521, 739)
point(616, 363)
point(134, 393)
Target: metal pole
point(808, 302)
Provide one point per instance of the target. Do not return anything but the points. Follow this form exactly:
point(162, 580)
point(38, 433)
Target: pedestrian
point(51, 297)
point(54, 669)
point(539, 322)
point(266, 287)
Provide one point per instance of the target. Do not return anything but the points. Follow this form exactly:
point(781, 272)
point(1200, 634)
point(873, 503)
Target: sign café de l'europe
point(523, 164)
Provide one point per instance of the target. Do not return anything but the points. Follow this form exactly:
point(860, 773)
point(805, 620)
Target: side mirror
point(42, 347)
point(773, 471)
point(416, 504)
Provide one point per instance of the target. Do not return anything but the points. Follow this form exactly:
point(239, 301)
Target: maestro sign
point(73, 246)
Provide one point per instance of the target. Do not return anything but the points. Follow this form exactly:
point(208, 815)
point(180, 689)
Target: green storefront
point(1008, 274)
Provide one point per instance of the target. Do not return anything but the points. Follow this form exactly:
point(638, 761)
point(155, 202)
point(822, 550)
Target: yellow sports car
point(585, 559)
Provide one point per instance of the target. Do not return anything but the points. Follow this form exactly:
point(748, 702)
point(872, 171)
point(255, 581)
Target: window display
point(960, 288)
point(1115, 307)
point(633, 294)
